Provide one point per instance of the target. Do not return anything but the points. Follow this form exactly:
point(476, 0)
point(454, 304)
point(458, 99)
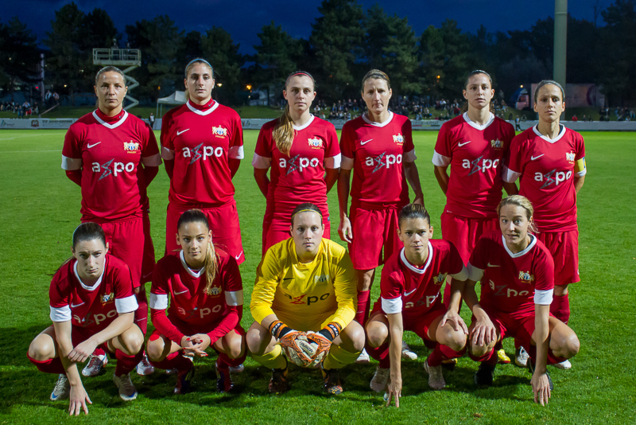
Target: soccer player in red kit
point(549, 161)
point(92, 304)
point(113, 156)
point(205, 293)
point(474, 145)
point(202, 146)
point(516, 271)
point(303, 154)
point(410, 300)
point(378, 147)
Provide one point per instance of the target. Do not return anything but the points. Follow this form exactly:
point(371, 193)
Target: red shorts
point(224, 223)
point(129, 240)
point(192, 329)
point(79, 335)
point(418, 323)
point(464, 232)
point(564, 247)
point(276, 227)
point(373, 227)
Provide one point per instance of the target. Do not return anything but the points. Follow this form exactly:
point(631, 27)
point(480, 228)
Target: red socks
point(560, 308)
point(443, 352)
point(488, 358)
point(224, 361)
point(381, 354)
point(126, 363)
point(49, 366)
point(363, 307)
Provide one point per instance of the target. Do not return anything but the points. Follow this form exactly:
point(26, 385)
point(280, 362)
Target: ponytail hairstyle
point(523, 202)
point(545, 83)
point(284, 131)
point(306, 207)
point(189, 67)
point(413, 211)
point(211, 261)
point(476, 72)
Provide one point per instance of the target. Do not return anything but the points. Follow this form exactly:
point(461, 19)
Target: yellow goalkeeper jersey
point(305, 295)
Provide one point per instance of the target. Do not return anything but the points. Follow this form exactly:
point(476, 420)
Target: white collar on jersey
point(99, 281)
point(546, 138)
point(531, 245)
point(413, 268)
point(202, 113)
point(307, 124)
point(377, 124)
point(108, 125)
point(191, 272)
point(477, 126)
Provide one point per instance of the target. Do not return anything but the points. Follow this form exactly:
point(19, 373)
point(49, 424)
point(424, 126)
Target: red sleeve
point(263, 143)
point(75, 176)
point(228, 323)
point(454, 260)
point(391, 284)
point(479, 256)
point(231, 276)
point(332, 148)
point(166, 132)
point(407, 133)
point(59, 291)
point(346, 142)
point(544, 272)
point(161, 322)
point(515, 160)
point(442, 146)
point(122, 281)
point(580, 147)
point(237, 132)
point(150, 141)
point(72, 143)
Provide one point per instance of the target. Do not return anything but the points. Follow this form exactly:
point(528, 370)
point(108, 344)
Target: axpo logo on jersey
point(97, 318)
point(197, 153)
point(383, 161)
point(298, 163)
point(480, 164)
point(117, 168)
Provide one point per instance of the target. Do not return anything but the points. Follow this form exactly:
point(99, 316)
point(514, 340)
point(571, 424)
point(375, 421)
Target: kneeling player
point(306, 283)
point(410, 288)
point(92, 305)
point(516, 272)
point(205, 290)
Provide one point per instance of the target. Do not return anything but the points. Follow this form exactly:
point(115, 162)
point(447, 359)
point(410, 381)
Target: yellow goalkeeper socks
point(339, 358)
point(273, 359)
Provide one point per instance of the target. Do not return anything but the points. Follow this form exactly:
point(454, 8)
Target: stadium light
point(521, 86)
point(249, 87)
point(219, 84)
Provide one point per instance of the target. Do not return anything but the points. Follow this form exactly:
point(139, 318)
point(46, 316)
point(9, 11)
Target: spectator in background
point(151, 120)
point(574, 118)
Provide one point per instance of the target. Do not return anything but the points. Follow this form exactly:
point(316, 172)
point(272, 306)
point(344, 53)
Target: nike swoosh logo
point(365, 142)
point(532, 158)
point(93, 145)
point(406, 294)
point(182, 292)
point(462, 144)
point(238, 256)
point(493, 265)
point(146, 275)
point(181, 132)
point(77, 305)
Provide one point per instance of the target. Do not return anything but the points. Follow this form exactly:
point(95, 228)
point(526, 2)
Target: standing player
point(113, 156)
point(306, 283)
point(409, 300)
point(517, 282)
point(205, 290)
point(92, 304)
point(378, 146)
point(303, 153)
point(549, 160)
point(474, 144)
point(202, 146)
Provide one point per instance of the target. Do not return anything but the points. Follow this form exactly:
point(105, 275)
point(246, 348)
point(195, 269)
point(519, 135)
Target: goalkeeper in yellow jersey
point(305, 284)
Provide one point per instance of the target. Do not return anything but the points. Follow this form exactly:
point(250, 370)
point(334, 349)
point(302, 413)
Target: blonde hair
point(519, 201)
point(378, 75)
point(284, 131)
point(190, 65)
point(211, 264)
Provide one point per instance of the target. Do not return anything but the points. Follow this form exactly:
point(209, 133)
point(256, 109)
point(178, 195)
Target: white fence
point(257, 123)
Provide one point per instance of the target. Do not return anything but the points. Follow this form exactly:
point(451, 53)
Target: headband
point(306, 210)
point(306, 74)
point(198, 60)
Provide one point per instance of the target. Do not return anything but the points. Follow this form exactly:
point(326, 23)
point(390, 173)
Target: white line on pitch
point(52, 150)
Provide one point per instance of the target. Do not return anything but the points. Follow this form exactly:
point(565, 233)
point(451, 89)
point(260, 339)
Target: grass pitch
point(39, 208)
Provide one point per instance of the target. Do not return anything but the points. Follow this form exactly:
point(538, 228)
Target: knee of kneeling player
point(132, 342)
point(255, 343)
point(41, 350)
point(456, 341)
point(571, 346)
point(376, 337)
point(235, 349)
point(479, 350)
point(358, 338)
point(154, 349)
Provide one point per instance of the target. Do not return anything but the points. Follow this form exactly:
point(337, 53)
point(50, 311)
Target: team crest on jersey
point(526, 277)
point(399, 139)
point(497, 144)
point(315, 143)
point(215, 291)
point(570, 156)
point(492, 284)
point(132, 147)
point(219, 131)
point(321, 278)
point(108, 298)
point(440, 278)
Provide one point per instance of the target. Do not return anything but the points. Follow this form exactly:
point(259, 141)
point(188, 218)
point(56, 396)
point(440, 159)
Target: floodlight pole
point(560, 40)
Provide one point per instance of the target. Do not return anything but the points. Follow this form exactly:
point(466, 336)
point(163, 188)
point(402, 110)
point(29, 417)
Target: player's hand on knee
point(483, 332)
point(541, 388)
point(82, 351)
point(78, 399)
point(344, 230)
point(455, 320)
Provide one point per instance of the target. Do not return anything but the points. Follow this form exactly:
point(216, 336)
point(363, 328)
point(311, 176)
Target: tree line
point(345, 42)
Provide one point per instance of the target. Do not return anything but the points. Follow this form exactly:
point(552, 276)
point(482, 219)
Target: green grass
point(39, 208)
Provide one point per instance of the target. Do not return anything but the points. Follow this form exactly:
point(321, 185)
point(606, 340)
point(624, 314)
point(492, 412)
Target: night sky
point(244, 19)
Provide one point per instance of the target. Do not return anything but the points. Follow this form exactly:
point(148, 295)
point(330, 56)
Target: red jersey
point(375, 151)
point(547, 168)
point(512, 282)
point(93, 307)
point(300, 176)
point(174, 280)
point(109, 151)
point(474, 154)
point(413, 291)
point(201, 139)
